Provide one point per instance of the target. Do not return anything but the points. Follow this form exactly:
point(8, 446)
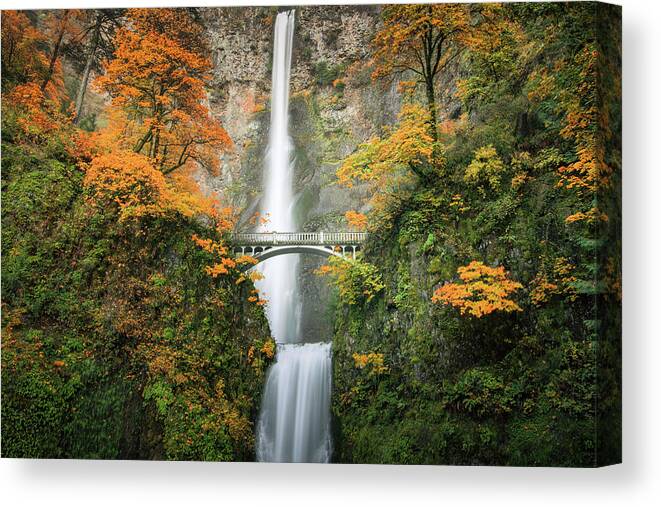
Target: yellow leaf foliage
point(486, 168)
point(388, 164)
point(558, 282)
point(406, 30)
point(261, 352)
point(457, 203)
point(268, 348)
point(357, 281)
point(373, 361)
point(376, 160)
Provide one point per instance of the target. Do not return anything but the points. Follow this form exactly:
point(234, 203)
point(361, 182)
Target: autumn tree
point(35, 54)
point(485, 170)
point(356, 220)
point(357, 281)
point(590, 172)
point(388, 163)
point(409, 146)
point(32, 50)
point(32, 80)
point(20, 53)
point(130, 184)
point(499, 54)
point(158, 79)
point(422, 40)
point(481, 291)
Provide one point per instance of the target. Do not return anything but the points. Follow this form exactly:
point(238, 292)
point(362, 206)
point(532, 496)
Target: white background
point(636, 482)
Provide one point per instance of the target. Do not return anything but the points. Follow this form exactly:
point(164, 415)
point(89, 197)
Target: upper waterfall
point(280, 275)
point(278, 176)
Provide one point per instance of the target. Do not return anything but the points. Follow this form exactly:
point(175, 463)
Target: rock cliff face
point(334, 106)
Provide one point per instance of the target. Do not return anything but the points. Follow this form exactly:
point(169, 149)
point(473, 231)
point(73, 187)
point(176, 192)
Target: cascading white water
point(279, 284)
point(294, 421)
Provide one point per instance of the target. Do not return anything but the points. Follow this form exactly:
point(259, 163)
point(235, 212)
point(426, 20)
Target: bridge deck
point(298, 238)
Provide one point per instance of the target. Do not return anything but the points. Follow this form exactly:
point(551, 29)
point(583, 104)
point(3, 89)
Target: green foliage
point(515, 389)
point(326, 73)
point(404, 298)
point(161, 394)
point(116, 344)
point(480, 393)
point(112, 332)
point(32, 414)
point(358, 282)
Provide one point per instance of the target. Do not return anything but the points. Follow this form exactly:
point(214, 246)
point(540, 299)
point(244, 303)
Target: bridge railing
point(299, 238)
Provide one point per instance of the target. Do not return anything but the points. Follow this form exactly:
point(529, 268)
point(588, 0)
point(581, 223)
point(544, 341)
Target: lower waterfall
point(295, 421)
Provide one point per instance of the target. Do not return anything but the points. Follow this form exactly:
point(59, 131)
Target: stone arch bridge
point(265, 245)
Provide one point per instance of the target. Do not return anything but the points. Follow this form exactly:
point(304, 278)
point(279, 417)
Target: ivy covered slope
point(126, 332)
point(482, 324)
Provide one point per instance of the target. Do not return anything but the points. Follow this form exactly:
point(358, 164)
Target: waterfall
point(294, 420)
point(279, 284)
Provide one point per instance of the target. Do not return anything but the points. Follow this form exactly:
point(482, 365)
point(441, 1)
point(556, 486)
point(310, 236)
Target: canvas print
point(323, 234)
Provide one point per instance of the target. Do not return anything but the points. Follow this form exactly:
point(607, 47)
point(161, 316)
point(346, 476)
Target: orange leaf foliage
point(130, 181)
point(20, 45)
point(158, 80)
point(246, 259)
point(224, 264)
point(591, 216)
point(356, 220)
point(38, 116)
point(483, 290)
point(585, 124)
point(268, 348)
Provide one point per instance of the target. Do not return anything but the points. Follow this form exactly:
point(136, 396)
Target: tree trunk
point(82, 89)
point(155, 144)
point(56, 51)
point(429, 73)
point(6, 62)
point(431, 105)
point(141, 143)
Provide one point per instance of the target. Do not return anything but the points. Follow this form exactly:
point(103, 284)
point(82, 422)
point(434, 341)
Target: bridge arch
point(264, 253)
point(263, 246)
